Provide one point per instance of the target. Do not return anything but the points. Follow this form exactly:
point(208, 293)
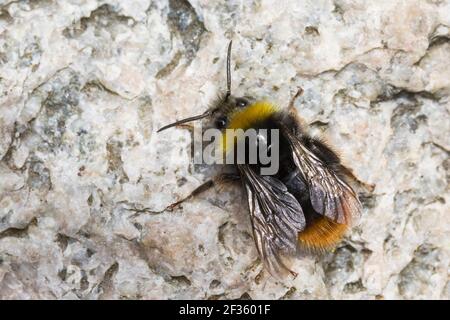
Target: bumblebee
point(308, 204)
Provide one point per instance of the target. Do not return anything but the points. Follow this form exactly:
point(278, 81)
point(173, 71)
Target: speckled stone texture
point(85, 84)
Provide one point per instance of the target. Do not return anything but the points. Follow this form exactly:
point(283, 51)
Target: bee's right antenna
point(229, 71)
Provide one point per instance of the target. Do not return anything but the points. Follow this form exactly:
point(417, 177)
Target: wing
point(329, 194)
point(276, 218)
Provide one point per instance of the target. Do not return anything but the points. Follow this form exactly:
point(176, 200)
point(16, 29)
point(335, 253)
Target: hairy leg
point(218, 181)
point(291, 102)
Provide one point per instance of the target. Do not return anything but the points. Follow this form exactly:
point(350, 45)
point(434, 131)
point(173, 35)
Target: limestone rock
point(84, 85)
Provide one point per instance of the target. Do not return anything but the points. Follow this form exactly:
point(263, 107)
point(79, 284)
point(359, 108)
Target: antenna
point(229, 71)
point(204, 115)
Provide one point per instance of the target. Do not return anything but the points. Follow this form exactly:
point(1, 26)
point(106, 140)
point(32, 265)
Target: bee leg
point(202, 188)
point(223, 179)
point(349, 173)
point(218, 181)
point(291, 102)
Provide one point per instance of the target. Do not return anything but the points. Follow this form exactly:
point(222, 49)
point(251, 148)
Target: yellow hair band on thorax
point(246, 119)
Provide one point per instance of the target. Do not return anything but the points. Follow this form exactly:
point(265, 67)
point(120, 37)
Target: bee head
point(222, 112)
point(224, 109)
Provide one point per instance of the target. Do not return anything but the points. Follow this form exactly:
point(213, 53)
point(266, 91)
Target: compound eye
point(241, 102)
point(221, 122)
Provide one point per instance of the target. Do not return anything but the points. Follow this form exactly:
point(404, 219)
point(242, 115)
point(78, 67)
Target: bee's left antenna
point(229, 70)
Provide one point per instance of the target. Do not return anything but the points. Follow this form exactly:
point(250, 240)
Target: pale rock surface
point(84, 85)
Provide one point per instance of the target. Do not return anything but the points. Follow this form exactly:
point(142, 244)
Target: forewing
point(276, 218)
point(329, 194)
